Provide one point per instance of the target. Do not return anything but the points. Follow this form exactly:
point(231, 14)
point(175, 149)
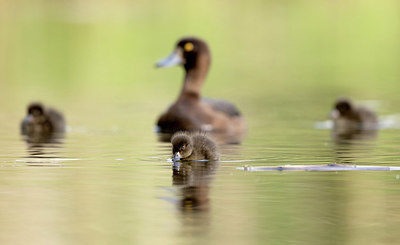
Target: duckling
point(191, 112)
point(42, 121)
point(348, 118)
point(193, 146)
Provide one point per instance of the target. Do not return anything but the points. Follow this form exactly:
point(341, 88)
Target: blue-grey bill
point(28, 119)
point(176, 157)
point(172, 60)
point(335, 114)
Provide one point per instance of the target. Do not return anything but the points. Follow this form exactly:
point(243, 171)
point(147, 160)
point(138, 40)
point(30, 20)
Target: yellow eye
point(188, 47)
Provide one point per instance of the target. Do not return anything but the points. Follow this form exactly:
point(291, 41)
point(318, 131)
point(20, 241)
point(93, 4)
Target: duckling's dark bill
point(172, 60)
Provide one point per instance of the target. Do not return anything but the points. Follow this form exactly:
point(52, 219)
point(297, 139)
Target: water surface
point(109, 180)
point(116, 184)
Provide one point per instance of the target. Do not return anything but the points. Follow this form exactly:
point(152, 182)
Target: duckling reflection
point(45, 149)
point(195, 178)
point(351, 122)
point(352, 151)
point(190, 112)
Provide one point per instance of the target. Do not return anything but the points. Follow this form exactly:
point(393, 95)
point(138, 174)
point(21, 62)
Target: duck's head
point(35, 109)
point(190, 52)
point(182, 146)
point(35, 112)
point(343, 107)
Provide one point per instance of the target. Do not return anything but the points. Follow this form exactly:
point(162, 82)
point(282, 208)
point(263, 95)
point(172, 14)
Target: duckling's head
point(35, 109)
point(343, 107)
point(190, 52)
point(182, 146)
point(36, 113)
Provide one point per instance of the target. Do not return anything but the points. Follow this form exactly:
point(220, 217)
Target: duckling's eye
point(188, 47)
point(183, 148)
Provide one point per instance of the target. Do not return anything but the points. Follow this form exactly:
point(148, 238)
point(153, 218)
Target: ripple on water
point(329, 167)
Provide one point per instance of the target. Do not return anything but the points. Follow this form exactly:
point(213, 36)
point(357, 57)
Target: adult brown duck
point(191, 112)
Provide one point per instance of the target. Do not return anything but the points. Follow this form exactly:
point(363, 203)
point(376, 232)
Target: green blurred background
point(282, 62)
point(75, 51)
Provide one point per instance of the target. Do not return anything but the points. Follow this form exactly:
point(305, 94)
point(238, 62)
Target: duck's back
point(56, 119)
point(223, 106)
point(367, 115)
point(204, 147)
point(368, 118)
point(193, 115)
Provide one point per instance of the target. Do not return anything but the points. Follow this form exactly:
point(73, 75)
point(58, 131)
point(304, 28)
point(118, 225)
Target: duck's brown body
point(193, 146)
point(192, 113)
point(41, 121)
point(351, 119)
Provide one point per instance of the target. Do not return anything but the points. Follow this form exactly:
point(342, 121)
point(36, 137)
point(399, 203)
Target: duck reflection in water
point(195, 178)
point(354, 130)
point(194, 156)
point(351, 122)
point(190, 111)
point(42, 128)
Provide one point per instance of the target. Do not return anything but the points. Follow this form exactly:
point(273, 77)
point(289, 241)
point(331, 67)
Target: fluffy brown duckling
point(191, 112)
point(42, 121)
point(348, 118)
point(193, 146)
